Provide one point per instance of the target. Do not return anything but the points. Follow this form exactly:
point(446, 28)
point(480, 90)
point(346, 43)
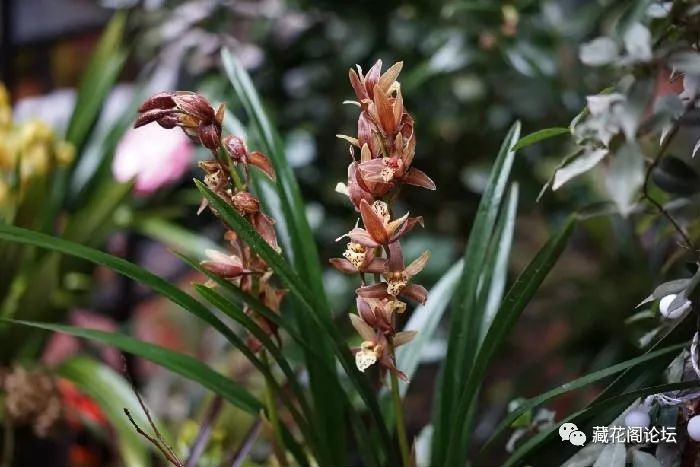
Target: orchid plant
point(325, 400)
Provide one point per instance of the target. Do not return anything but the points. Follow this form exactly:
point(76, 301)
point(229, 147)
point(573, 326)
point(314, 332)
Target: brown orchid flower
point(375, 347)
point(358, 259)
point(398, 282)
point(379, 313)
point(187, 110)
point(379, 229)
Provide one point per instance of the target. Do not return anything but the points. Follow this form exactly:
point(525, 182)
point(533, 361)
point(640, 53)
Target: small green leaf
point(578, 166)
point(625, 176)
point(100, 74)
point(538, 136)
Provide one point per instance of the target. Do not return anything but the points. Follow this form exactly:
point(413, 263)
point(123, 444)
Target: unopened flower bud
point(694, 428)
point(235, 148)
point(672, 312)
point(245, 203)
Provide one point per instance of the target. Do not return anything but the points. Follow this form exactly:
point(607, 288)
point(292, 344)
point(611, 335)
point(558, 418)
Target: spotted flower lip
point(378, 229)
point(358, 258)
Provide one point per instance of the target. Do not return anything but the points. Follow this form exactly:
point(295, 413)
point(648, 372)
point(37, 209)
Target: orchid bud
point(245, 203)
point(235, 148)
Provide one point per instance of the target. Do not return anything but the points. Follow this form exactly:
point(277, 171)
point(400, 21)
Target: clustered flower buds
point(189, 111)
point(386, 143)
point(227, 175)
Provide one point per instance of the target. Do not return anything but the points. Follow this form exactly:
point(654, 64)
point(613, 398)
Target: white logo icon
point(570, 432)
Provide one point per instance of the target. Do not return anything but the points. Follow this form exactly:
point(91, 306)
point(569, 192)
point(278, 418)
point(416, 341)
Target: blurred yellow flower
point(28, 150)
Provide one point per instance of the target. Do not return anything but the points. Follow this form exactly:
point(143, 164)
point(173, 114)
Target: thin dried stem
point(647, 179)
point(165, 451)
point(159, 440)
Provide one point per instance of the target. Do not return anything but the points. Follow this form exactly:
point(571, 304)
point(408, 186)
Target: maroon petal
point(406, 227)
point(364, 133)
point(372, 77)
point(262, 162)
point(385, 112)
point(151, 116)
point(210, 135)
point(357, 86)
point(343, 265)
point(195, 105)
point(417, 177)
point(415, 292)
point(373, 291)
point(362, 237)
point(162, 101)
point(377, 265)
point(373, 223)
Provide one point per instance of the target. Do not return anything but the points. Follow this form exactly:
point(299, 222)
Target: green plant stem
point(400, 422)
point(8, 445)
point(273, 416)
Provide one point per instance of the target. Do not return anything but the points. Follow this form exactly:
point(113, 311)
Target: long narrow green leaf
point(522, 452)
point(495, 274)
point(181, 364)
point(235, 313)
point(514, 303)
point(100, 74)
point(173, 235)
point(156, 283)
point(305, 254)
point(466, 318)
point(112, 394)
point(246, 231)
point(577, 384)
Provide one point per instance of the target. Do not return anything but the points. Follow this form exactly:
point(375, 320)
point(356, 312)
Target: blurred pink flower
point(153, 156)
point(61, 347)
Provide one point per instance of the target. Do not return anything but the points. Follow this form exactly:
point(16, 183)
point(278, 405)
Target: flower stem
point(8, 445)
point(400, 422)
point(273, 416)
